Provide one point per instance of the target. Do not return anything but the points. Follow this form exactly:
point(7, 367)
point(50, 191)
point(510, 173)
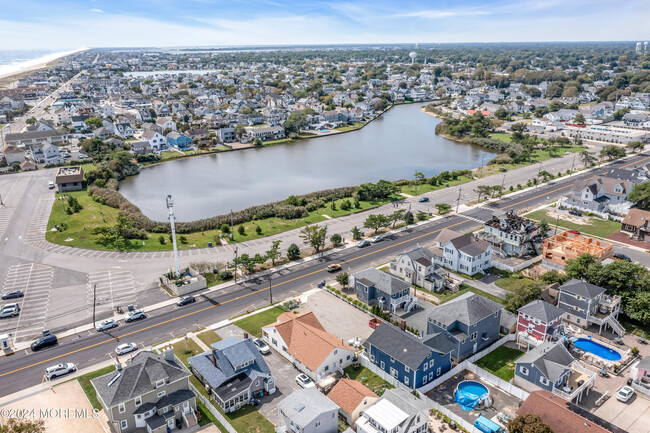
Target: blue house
point(470, 323)
point(179, 140)
point(412, 361)
point(548, 366)
point(375, 287)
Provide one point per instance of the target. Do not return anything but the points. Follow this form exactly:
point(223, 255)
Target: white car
point(376, 239)
point(134, 315)
point(304, 381)
point(624, 394)
point(9, 312)
point(106, 324)
point(262, 346)
point(126, 348)
point(59, 370)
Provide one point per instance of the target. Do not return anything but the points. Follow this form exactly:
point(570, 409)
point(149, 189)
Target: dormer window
point(160, 383)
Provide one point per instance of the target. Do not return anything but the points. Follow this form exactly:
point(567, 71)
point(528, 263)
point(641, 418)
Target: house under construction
point(567, 245)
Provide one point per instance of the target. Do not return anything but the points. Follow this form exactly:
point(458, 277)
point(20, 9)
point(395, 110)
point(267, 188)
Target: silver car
point(59, 370)
point(106, 324)
point(126, 348)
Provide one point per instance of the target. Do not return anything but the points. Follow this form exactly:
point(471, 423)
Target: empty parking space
point(38, 222)
point(12, 193)
point(110, 289)
point(35, 280)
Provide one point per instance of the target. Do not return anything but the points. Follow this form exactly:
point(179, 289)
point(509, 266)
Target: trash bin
point(210, 244)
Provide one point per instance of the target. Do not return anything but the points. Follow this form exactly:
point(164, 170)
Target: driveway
point(285, 383)
point(633, 416)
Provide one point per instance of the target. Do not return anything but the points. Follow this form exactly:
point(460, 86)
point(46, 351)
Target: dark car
point(575, 212)
point(13, 294)
point(363, 244)
point(423, 199)
point(185, 300)
point(620, 256)
point(43, 342)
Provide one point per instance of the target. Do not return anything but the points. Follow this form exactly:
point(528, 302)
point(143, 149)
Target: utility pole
point(557, 220)
point(458, 201)
point(572, 164)
point(270, 288)
point(503, 185)
point(94, 302)
point(235, 261)
point(1, 203)
point(172, 220)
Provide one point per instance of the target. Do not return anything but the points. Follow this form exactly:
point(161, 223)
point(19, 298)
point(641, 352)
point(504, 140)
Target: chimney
point(168, 353)
point(214, 357)
point(245, 335)
point(402, 325)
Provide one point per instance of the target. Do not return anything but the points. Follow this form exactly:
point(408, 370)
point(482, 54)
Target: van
point(50, 185)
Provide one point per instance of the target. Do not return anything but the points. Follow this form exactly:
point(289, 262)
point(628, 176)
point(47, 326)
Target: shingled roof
point(468, 308)
point(348, 394)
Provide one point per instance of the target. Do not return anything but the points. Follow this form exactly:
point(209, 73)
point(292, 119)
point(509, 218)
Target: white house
point(166, 122)
point(462, 252)
point(156, 139)
point(308, 411)
point(397, 411)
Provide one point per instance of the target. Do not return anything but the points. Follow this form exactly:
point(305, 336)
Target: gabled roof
point(305, 405)
point(468, 308)
point(637, 217)
point(306, 339)
point(541, 310)
point(446, 235)
point(138, 377)
point(469, 245)
point(348, 394)
point(581, 288)
point(551, 359)
point(382, 281)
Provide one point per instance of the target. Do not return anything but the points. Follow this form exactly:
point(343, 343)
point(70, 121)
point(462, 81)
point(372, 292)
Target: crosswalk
point(110, 289)
point(35, 280)
point(38, 222)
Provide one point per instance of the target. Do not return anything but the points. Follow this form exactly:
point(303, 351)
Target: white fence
point(214, 410)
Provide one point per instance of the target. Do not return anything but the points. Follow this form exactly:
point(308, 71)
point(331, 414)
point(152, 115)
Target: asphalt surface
point(24, 368)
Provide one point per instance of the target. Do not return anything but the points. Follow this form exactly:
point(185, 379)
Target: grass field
point(369, 379)
point(253, 324)
point(592, 226)
point(501, 136)
point(464, 288)
point(501, 362)
point(538, 156)
point(208, 337)
point(511, 284)
point(88, 388)
point(352, 127)
point(421, 189)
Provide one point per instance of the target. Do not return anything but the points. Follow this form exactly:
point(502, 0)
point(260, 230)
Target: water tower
point(413, 55)
point(638, 47)
point(645, 47)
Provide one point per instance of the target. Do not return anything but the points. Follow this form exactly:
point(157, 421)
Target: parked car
point(333, 267)
point(376, 239)
point(126, 348)
point(43, 342)
point(106, 324)
point(134, 315)
point(82, 156)
point(575, 212)
point(66, 155)
point(13, 294)
point(621, 256)
point(50, 185)
point(363, 244)
point(9, 312)
point(575, 232)
point(184, 300)
point(59, 370)
point(625, 394)
point(423, 199)
point(262, 346)
point(304, 381)
point(11, 306)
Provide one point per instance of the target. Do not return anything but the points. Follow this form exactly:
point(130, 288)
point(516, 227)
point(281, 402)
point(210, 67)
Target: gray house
point(308, 411)
point(417, 266)
point(234, 371)
point(586, 304)
point(151, 391)
point(375, 287)
point(470, 322)
point(600, 195)
point(396, 411)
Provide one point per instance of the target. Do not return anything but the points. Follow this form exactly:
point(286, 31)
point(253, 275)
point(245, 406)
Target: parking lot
point(35, 280)
point(110, 289)
point(38, 221)
point(12, 190)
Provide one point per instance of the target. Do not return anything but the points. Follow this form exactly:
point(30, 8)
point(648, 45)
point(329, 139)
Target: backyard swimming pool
point(597, 349)
point(470, 393)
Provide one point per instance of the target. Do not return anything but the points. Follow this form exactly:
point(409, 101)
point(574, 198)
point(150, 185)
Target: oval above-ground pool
point(469, 393)
point(597, 349)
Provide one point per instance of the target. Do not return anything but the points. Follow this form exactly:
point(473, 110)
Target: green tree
point(241, 230)
point(343, 279)
point(588, 159)
point(525, 292)
point(31, 120)
point(543, 228)
point(582, 267)
point(93, 122)
point(612, 152)
point(528, 423)
point(293, 252)
point(640, 195)
point(239, 130)
point(408, 218)
point(295, 121)
point(15, 425)
point(443, 208)
point(553, 276)
point(225, 228)
point(579, 119)
point(314, 236)
point(396, 216)
point(421, 216)
point(483, 190)
point(273, 253)
point(182, 239)
point(246, 261)
point(161, 239)
point(376, 221)
point(638, 307)
point(258, 230)
point(356, 233)
point(336, 240)
point(635, 146)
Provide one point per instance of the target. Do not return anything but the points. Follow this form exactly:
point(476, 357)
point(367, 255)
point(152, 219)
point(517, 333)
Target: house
point(351, 397)
point(226, 135)
point(197, 133)
point(375, 287)
point(51, 154)
point(69, 178)
point(36, 138)
point(462, 252)
point(235, 372)
point(567, 245)
point(155, 139)
point(418, 266)
point(166, 123)
point(640, 370)
point(537, 322)
point(179, 140)
point(303, 341)
point(124, 130)
point(586, 304)
point(560, 415)
point(602, 195)
point(308, 411)
point(140, 147)
point(102, 133)
point(28, 166)
point(511, 234)
point(635, 224)
point(265, 133)
point(397, 411)
point(551, 367)
point(469, 322)
point(406, 358)
point(13, 153)
point(150, 391)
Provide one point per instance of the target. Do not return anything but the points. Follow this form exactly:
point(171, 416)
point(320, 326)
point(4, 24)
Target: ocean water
point(12, 61)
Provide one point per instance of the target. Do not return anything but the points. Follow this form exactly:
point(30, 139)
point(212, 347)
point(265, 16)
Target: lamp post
point(172, 220)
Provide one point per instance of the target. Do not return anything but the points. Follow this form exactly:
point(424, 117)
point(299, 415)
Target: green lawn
point(634, 327)
point(209, 337)
point(501, 136)
point(464, 288)
point(421, 189)
point(510, 284)
point(249, 420)
point(253, 324)
point(369, 379)
point(192, 349)
point(539, 155)
point(501, 362)
point(592, 226)
point(88, 388)
point(352, 127)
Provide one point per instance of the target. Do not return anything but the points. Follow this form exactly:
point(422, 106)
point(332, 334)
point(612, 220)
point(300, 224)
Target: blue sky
point(56, 24)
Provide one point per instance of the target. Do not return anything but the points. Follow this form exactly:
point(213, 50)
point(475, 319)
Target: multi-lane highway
point(25, 368)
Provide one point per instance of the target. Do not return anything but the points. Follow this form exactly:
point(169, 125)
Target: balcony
point(580, 379)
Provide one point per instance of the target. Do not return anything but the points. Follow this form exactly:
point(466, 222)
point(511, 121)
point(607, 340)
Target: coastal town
point(508, 294)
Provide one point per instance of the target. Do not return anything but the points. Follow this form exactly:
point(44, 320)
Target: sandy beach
point(12, 72)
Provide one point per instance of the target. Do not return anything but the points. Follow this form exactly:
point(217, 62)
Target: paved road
point(24, 368)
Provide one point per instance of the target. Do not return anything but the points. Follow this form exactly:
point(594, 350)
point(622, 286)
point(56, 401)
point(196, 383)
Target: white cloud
point(99, 11)
point(435, 14)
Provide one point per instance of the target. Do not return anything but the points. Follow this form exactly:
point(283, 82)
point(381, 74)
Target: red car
point(333, 268)
point(573, 231)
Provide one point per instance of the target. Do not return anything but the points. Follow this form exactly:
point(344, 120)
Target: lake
point(393, 147)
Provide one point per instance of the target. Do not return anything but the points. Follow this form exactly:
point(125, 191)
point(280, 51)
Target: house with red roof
point(352, 397)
